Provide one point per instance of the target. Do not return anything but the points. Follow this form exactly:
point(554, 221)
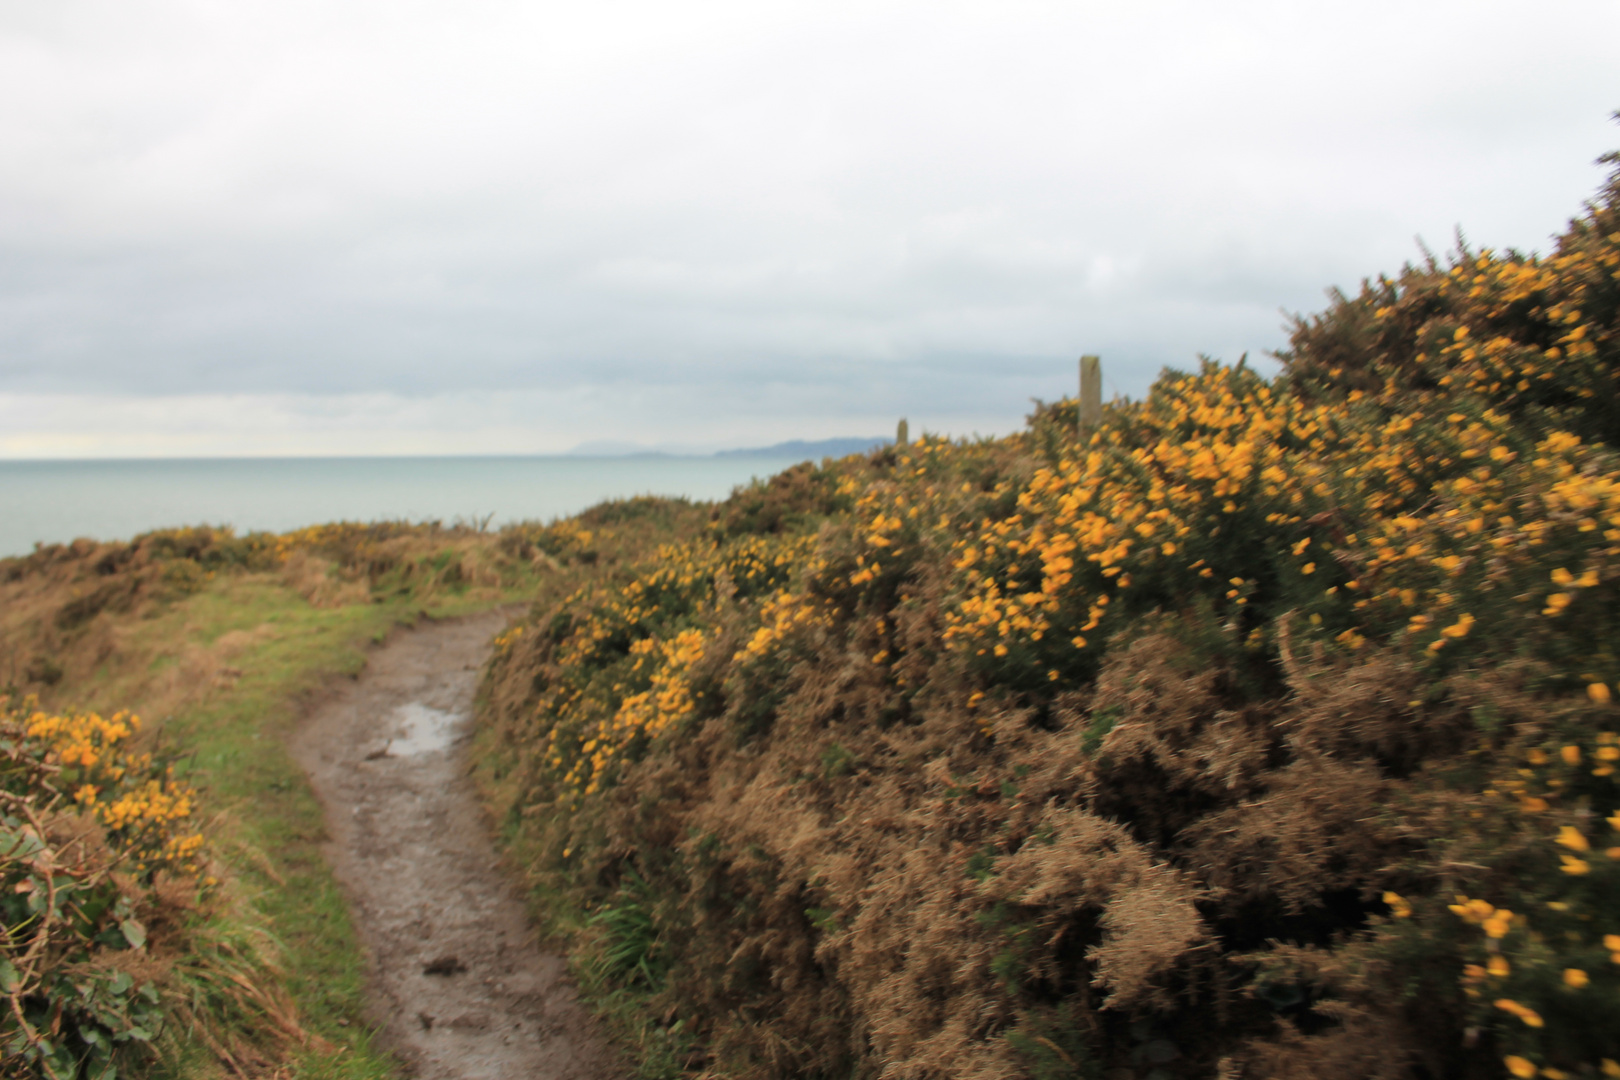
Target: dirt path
point(457, 983)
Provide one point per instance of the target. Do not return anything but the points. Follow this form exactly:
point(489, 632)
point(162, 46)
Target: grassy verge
point(271, 823)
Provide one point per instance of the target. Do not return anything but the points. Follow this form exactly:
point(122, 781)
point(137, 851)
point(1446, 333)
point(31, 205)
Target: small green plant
point(836, 761)
point(628, 950)
point(1102, 722)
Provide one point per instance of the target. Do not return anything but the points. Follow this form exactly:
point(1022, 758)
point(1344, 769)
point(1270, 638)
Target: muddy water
point(457, 984)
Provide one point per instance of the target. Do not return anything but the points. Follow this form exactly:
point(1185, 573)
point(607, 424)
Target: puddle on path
point(458, 987)
point(424, 729)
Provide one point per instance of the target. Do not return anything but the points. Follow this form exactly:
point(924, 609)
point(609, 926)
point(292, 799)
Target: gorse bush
point(70, 887)
point(1266, 731)
point(125, 948)
point(104, 891)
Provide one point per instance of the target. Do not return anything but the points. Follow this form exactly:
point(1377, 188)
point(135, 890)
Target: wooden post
point(1090, 394)
point(901, 433)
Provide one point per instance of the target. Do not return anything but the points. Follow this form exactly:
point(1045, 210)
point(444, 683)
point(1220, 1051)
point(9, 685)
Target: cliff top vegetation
point(1265, 730)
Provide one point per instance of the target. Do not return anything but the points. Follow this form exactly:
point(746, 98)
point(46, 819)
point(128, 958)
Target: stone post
point(1090, 394)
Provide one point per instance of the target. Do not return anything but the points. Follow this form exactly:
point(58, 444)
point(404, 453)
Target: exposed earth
point(459, 987)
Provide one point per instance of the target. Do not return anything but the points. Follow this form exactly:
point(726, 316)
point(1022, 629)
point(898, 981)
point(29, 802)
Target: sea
point(44, 502)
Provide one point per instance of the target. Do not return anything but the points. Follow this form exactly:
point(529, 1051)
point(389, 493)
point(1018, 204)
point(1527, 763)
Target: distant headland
point(817, 448)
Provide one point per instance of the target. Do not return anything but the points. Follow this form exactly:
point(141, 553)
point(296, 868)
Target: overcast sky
point(345, 226)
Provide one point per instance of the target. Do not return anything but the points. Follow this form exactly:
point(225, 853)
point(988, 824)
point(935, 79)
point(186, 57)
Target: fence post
point(901, 433)
point(1090, 394)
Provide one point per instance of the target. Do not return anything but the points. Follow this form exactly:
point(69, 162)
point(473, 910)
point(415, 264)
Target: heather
point(1264, 729)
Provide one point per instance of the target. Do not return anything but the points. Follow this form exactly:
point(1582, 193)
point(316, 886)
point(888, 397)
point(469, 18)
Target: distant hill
point(818, 449)
point(798, 448)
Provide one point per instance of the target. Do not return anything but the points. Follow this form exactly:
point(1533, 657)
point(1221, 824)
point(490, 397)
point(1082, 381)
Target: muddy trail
point(458, 985)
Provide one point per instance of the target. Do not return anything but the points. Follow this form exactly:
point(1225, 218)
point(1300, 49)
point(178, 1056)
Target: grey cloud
point(810, 208)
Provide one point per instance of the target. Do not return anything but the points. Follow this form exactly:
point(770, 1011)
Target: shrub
point(112, 935)
point(1265, 731)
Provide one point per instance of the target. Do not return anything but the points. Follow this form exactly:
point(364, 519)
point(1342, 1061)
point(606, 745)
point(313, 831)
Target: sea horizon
point(46, 501)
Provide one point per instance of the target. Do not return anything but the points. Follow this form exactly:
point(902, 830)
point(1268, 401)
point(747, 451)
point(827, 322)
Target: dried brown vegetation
point(1266, 732)
point(995, 894)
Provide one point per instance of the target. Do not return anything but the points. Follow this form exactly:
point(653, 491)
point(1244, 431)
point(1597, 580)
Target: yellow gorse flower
point(1523, 1012)
point(149, 816)
point(1571, 837)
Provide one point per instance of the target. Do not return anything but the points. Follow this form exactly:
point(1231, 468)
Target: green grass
point(269, 828)
point(602, 946)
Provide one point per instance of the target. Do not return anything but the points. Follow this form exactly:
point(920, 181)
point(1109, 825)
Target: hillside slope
point(165, 907)
point(1266, 731)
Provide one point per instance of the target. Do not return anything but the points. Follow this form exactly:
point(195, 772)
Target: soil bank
point(458, 985)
